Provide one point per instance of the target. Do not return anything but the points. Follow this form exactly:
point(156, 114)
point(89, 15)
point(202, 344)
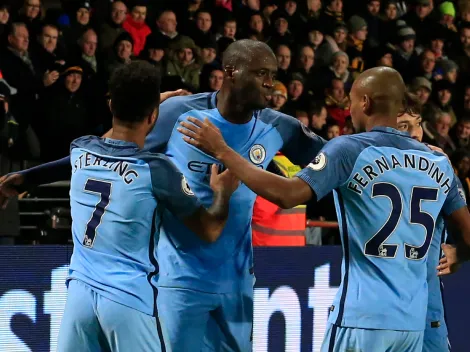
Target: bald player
point(205, 291)
point(389, 189)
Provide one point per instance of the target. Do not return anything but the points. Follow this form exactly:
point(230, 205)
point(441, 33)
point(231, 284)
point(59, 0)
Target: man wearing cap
point(422, 87)
point(279, 97)
point(356, 38)
point(420, 21)
point(183, 62)
point(405, 58)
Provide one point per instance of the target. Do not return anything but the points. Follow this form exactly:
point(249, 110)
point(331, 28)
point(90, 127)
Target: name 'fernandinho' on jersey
point(380, 166)
point(119, 166)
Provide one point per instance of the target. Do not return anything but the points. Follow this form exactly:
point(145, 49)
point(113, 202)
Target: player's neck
point(381, 121)
point(230, 110)
point(128, 135)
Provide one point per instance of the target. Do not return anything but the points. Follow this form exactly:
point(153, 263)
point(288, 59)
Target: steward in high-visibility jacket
point(274, 226)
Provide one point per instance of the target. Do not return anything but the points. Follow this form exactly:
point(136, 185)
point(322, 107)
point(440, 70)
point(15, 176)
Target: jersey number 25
point(376, 245)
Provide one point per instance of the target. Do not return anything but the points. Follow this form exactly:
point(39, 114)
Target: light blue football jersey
point(226, 265)
point(389, 191)
point(117, 196)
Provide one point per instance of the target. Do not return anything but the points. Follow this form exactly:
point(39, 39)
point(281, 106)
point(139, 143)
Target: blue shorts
point(435, 341)
point(340, 339)
point(199, 321)
point(94, 323)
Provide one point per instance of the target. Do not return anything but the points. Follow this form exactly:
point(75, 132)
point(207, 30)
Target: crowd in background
point(55, 63)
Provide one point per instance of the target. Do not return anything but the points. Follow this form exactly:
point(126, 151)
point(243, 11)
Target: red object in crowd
point(273, 226)
point(138, 31)
point(339, 115)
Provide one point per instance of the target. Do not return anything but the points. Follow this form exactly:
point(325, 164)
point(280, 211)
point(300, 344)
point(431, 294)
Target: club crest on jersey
point(185, 187)
point(318, 163)
point(257, 154)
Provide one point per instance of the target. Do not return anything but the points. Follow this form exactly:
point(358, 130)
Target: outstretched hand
point(203, 135)
point(225, 183)
point(448, 264)
point(8, 189)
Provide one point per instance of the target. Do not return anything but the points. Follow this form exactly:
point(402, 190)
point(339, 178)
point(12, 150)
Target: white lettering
point(284, 300)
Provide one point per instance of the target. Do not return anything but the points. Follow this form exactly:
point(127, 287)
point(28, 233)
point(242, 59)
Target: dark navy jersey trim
point(345, 240)
point(160, 335)
point(154, 262)
point(331, 344)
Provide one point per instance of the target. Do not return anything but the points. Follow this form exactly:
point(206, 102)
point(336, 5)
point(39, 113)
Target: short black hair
point(134, 91)
point(315, 107)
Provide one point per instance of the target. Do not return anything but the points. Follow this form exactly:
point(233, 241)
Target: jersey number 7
point(376, 246)
point(103, 189)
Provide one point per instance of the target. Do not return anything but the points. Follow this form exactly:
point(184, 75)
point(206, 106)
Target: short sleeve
point(455, 199)
point(171, 188)
point(299, 144)
point(330, 169)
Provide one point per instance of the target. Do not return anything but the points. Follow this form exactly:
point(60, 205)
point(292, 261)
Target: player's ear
point(230, 71)
point(366, 105)
point(153, 116)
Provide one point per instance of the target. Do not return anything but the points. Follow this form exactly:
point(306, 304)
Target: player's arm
point(300, 144)
point(171, 188)
point(456, 209)
point(284, 192)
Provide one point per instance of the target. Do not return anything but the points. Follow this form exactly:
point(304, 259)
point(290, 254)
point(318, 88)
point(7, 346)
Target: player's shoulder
point(348, 145)
point(181, 104)
point(273, 117)
point(88, 142)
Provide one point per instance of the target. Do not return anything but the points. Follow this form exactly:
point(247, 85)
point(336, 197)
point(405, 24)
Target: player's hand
point(225, 182)
point(437, 149)
point(203, 135)
point(174, 93)
point(7, 188)
point(449, 264)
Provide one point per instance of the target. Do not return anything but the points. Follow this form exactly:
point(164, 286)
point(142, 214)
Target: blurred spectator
point(371, 16)
point(460, 134)
point(208, 51)
point(166, 26)
point(461, 162)
point(122, 52)
point(420, 21)
point(18, 71)
point(211, 78)
point(44, 51)
point(337, 69)
point(279, 97)
point(332, 44)
point(201, 32)
point(388, 23)
point(31, 15)
point(284, 56)
point(348, 127)
point(135, 25)
point(281, 33)
point(154, 51)
point(447, 17)
point(183, 64)
point(422, 87)
point(315, 36)
point(331, 15)
point(437, 40)
point(337, 102)
point(436, 132)
point(449, 70)
point(332, 130)
point(79, 23)
point(355, 45)
point(8, 124)
point(295, 90)
point(441, 99)
point(305, 62)
point(406, 58)
point(462, 52)
point(317, 115)
point(255, 29)
point(427, 63)
point(4, 16)
point(65, 115)
point(229, 29)
point(112, 27)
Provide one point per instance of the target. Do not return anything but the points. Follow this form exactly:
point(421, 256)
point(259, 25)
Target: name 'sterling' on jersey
point(378, 167)
point(119, 166)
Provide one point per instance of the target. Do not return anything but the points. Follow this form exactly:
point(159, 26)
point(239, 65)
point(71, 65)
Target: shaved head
point(378, 94)
point(242, 53)
point(385, 88)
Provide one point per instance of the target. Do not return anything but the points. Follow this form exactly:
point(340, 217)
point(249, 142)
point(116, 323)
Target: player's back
point(113, 212)
point(387, 209)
